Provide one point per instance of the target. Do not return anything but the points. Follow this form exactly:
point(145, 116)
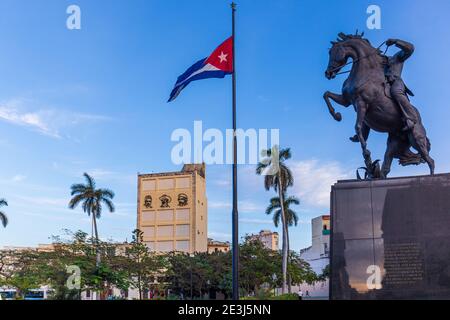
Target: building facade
point(318, 256)
point(172, 210)
point(218, 246)
point(269, 239)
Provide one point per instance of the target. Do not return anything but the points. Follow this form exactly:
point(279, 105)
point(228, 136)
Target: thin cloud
point(220, 236)
point(256, 221)
point(18, 178)
point(14, 179)
point(45, 121)
point(313, 181)
point(244, 206)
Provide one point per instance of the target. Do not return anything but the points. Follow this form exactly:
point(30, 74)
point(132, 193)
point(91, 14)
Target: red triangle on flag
point(222, 57)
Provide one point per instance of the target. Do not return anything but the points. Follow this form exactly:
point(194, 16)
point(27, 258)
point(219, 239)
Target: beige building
point(218, 246)
point(268, 238)
point(172, 210)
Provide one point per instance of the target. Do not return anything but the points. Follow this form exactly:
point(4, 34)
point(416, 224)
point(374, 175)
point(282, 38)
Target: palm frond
point(277, 218)
point(4, 219)
point(109, 204)
point(106, 193)
point(75, 201)
point(286, 176)
point(285, 154)
point(97, 209)
point(291, 217)
point(260, 167)
point(291, 200)
point(78, 188)
point(90, 181)
point(87, 206)
point(270, 182)
point(269, 209)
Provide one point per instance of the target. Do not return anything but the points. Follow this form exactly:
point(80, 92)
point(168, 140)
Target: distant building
point(218, 246)
point(318, 256)
point(172, 210)
point(268, 238)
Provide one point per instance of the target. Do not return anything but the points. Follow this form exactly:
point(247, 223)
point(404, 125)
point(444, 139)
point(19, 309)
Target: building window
point(166, 215)
point(183, 215)
point(182, 231)
point(148, 185)
point(149, 232)
point(165, 246)
point(166, 184)
point(183, 183)
point(183, 246)
point(148, 216)
point(165, 231)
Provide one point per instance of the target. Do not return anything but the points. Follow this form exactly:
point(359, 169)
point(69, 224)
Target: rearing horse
point(368, 91)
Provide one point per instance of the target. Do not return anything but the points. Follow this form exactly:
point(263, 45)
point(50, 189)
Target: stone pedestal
point(391, 239)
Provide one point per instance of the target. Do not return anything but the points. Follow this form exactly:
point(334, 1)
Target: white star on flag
point(223, 57)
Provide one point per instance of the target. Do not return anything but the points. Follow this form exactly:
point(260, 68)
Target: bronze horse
point(367, 90)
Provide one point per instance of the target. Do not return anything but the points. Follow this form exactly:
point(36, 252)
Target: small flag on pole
point(217, 65)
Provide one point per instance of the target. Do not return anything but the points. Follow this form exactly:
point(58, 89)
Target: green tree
point(143, 267)
point(3, 217)
point(92, 201)
point(199, 274)
point(258, 265)
point(78, 251)
point(300, 271)
point(278, 176)
point(20, 271)
point(325, 274)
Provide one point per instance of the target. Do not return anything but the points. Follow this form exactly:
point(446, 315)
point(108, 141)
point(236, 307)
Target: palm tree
point(92, 200)
point(275, 209)
point(278, 176)
point(3, 216)
point(291, 218)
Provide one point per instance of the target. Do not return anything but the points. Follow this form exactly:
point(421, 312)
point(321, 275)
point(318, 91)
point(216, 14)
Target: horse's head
point(338, 59)
point(342, 49)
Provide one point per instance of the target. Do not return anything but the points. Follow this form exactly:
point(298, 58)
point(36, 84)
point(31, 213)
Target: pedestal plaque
point(391, 238)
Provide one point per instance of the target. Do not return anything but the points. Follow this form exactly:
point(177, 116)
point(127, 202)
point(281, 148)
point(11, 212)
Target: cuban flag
point(217, 65)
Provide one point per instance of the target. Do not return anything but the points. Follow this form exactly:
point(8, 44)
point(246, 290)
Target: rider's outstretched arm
point(407, 49)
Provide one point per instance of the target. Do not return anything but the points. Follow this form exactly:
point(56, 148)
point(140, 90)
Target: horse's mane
point(342, 37)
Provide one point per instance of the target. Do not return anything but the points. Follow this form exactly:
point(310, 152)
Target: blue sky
point(94, 100)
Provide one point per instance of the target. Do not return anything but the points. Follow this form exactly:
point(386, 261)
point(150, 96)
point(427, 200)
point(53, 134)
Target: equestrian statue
point(381, 100)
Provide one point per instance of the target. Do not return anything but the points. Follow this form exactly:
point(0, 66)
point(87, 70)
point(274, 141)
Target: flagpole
point(235, 215)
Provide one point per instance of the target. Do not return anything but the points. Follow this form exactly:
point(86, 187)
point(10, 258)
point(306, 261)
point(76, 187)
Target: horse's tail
point(428, 145)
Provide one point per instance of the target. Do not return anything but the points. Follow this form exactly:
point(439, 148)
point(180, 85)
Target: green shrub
point(288, 296)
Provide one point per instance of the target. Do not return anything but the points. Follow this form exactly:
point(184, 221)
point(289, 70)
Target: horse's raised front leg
point(338, 98)
point(361, 111)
